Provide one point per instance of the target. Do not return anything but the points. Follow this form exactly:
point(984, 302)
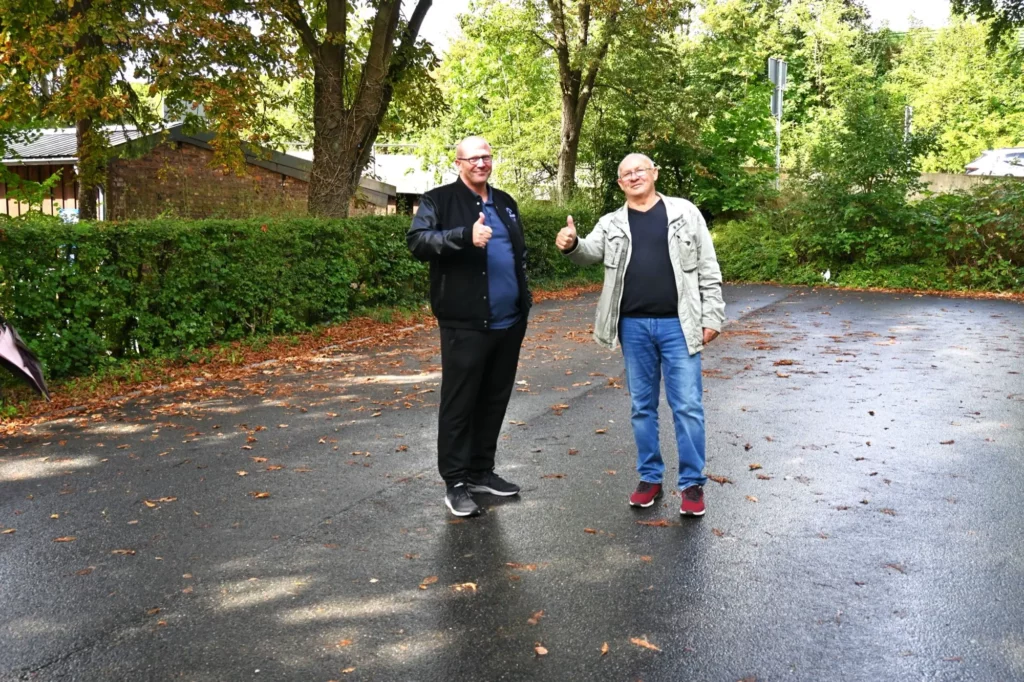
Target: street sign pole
point(777, 75)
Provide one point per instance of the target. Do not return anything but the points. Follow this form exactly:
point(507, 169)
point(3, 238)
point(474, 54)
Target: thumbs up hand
point(481, 233)
point(566, 238)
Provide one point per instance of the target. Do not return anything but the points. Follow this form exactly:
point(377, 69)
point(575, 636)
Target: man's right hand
point(481, 233)
point(566, 238)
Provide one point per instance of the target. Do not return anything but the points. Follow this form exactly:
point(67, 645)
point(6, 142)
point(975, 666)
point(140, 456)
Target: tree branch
point(409, 36)
point(292, 11)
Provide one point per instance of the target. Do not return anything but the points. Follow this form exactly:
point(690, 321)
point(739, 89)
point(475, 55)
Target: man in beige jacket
point(662, 300)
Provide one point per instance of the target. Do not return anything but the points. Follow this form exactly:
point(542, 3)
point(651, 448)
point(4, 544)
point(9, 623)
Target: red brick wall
point(177, 179)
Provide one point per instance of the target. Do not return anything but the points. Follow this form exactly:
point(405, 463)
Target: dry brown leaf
point(402, 448)
point(604, 648)
point(642, 642)
point(521, 567)
point(8, 531)
point(764, 477)
point(782, 375)
point(541, 651)
point(346, 671)
point(258, 460)
point(259, 495)
point(590, 530)
point(344, 642)
point(429, 580)
point(153, 611)
point(747, 446)
point(85, 571)
point(149, 503)
point(573, 451)
point(778, 363)
point(946, 442)
point(659, 523)
point(721, 480)
point(464, 587)
point(718, 532)
point(535, 618)
point(66, 538)
point(890, 512)
point(124, 552)
point(754, 466)
point(553, 476)
point(600, 430)
point(168, 499)
point(646, 558)
point(751, 498)
point(242, 473)
point(274, 467)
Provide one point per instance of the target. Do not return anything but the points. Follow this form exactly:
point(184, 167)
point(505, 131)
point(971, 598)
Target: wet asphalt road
point(867, 526)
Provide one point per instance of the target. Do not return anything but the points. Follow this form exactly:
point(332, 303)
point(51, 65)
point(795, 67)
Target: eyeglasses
point(474, 160)
point(636, 173)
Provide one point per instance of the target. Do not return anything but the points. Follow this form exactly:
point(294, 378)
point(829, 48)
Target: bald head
point(473, 142)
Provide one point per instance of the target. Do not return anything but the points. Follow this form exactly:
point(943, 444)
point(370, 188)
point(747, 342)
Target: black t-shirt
point(650, 285)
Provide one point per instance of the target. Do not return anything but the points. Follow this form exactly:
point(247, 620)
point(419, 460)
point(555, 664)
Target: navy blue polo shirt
point(503, 286)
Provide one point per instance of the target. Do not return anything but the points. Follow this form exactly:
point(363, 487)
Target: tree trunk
point(88, 169)
point(569, 150)
point(333, 179)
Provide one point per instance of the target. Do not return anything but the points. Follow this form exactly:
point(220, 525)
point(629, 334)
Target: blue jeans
point(649, 346)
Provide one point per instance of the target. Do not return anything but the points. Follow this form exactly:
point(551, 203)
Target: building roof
point(59, 144)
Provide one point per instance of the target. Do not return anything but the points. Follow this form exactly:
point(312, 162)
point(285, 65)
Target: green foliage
point(955, 241)
point(860, 172)
point(972, 98)
point(85, 295)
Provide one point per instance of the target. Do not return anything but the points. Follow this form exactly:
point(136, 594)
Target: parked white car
point(1006, 161)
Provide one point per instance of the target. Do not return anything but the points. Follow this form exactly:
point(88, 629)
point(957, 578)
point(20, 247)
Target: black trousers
point(478, 372)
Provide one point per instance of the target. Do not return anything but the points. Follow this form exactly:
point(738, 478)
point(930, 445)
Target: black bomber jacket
point(442, 234)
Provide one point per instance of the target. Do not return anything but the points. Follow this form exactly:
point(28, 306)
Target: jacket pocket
point(614, 250)
point(686, 248)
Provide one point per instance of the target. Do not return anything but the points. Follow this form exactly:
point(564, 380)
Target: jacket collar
point(620, 217)
point(469, 193)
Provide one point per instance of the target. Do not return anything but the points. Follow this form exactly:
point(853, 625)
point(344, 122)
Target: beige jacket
point(698, 277)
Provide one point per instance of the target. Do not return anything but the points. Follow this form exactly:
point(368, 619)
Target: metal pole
point(778, 153)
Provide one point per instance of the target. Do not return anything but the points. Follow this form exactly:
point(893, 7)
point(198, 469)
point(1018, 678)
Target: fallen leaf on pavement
point(84, 571)
point(464, 587)
point(274, 467)
point(242, 473)
point(646, 558)
point(535, 618)
point(553, 476)
point(764, 477)
point(751, 498)
point(778, 363)
point(946, 442)
point(590, 530)
point(346, 671)
point(721, 480)
point(718, 532)
point(642, 642)
point(8, 531)
point(747, 446)
point(259, 495)
point(521, 567)
point(258, 460)
point(601, 431)
point(402, 448)
point(604, 648)
point(754, 467)
point(344, 642)
point(890, 512)
point(659, 523)
point(573, 452)
point(124, 552)
point(541, 651)
point(429, 580)
point(66, 538)
point(153, 611)
point(782, 375)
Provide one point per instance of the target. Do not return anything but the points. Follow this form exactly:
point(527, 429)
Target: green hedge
point(92, 293)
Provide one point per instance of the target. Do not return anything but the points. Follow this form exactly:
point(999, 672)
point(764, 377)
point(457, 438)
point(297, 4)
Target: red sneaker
point(645, 494)
point(693, 501)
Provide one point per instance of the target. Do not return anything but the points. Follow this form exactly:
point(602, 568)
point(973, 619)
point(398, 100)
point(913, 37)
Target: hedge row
point(86, 294)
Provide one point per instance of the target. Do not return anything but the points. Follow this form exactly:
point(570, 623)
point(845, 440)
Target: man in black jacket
point(470, 234)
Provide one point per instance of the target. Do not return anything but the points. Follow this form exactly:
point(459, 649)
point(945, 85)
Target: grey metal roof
point(60, 143)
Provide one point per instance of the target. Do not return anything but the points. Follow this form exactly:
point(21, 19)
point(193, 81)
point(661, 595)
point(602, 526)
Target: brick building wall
point(176, 178)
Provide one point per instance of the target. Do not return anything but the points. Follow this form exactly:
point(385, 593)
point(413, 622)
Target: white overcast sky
point(441, 24)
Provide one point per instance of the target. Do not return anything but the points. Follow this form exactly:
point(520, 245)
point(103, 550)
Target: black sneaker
point(460, 502)
point(492, 483)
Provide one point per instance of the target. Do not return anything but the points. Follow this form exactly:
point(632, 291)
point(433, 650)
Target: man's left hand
point(709, 335)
